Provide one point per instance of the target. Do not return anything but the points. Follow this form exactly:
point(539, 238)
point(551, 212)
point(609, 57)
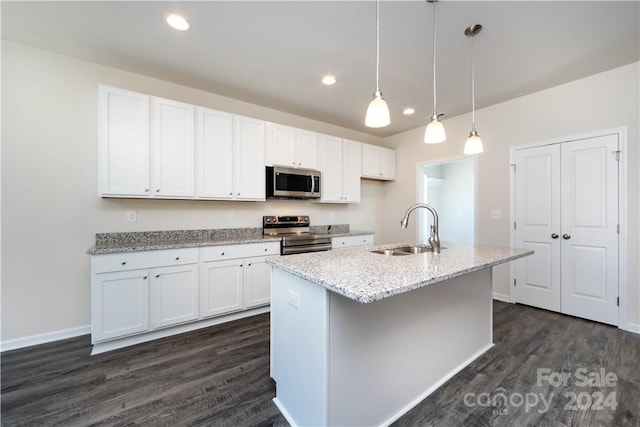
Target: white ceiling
point(274, 53)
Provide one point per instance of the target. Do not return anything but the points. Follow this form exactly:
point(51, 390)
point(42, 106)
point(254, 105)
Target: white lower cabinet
point(120, 304)
point(174, 295)
point(257, 282)
point(231, 281)
point(221, 287)
point(138, 296)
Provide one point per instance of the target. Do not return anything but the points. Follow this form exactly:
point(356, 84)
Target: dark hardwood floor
point(219, 376)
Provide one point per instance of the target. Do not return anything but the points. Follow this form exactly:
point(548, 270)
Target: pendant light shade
point(474, 143)
point(378, 111)
point(435, 129)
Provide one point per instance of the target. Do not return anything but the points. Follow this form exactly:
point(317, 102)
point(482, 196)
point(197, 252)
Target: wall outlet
point(231, 215)
point(332, 214)
point(132, 216)
point(496, 214)
point(294, 299)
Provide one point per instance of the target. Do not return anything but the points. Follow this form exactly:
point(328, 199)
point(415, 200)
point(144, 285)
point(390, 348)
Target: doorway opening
point(450, 187)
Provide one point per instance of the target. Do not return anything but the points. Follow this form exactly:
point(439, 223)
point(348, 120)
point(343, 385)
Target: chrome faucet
point(434, 239)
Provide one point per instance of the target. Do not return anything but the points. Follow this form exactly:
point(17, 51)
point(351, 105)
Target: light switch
point(496, 214)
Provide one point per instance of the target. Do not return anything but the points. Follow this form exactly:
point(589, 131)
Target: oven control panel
point(285, 221)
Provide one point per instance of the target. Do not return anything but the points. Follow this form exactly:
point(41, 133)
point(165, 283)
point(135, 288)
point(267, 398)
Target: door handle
point(554, 235)
point(566, 236)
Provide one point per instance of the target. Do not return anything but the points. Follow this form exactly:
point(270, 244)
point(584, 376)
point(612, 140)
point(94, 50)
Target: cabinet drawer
point(216, 253)
point(349, 241)
point(147, 259)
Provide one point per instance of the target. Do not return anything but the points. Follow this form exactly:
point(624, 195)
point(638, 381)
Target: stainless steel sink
point(390, 252)
point(415, 249)
point(404, 250)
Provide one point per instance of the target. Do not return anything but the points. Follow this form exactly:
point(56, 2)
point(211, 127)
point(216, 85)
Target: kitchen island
point(359, 338)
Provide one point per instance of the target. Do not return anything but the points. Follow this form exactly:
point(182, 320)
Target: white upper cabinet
point(292, 147)
point(124, 142)
point(214, 141)
point(378, 162)
point(173, 154)
point(231, 156)
point(341, 170)
point(249, 169)
point(159, 148)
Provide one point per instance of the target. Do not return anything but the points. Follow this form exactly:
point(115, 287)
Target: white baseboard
point(29, 341)
point(502, 297)
point(633, 327)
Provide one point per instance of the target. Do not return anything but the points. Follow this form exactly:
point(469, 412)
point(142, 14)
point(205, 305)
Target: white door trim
point(621, 132)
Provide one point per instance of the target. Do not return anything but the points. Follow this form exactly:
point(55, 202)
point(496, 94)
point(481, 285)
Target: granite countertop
point(366, 277)
point(109, 243)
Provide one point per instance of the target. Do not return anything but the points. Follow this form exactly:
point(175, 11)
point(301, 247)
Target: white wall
point(602, 101)
point(50, 207)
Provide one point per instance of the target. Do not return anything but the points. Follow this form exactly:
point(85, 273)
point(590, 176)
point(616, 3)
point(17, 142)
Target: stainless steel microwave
point(292, 183)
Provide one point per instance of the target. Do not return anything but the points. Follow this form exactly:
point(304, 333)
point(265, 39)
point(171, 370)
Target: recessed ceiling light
point(408, 111)
point(178, 22)
point(329, 80)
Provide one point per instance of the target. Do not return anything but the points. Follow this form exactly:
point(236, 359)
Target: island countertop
point(363, 276)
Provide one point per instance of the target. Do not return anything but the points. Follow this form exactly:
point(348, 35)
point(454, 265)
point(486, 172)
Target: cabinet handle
point(265, 249)
point(238, 194)
point(157, 275)
point(144, 278)
point(554, 236)
point(566, 236)
point(146, 190)
point(124, 262)
point(299, 163)
point(177, 258)
point(222, 253)
point(231, 194)
point(249, 265)
point(157, 190)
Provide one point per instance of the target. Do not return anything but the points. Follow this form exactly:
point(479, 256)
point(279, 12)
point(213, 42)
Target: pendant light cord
point(434, 59)
point(473, 86)
point(377, 45)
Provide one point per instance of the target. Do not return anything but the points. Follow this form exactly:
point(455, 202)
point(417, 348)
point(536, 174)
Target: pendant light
point(474, 143)
point(435, 129)
point(378, 111)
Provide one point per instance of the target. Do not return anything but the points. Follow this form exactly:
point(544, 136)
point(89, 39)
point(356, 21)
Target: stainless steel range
point(296, 235)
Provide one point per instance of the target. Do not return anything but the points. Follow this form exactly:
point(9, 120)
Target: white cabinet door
point(249, 174)
point(120, 304)
point(174, 295)
point(351, 171)
point(214, 141)
point(331, 184)
point(378, 162)
point(307, 149)
point(387, 163)
point(173, 149)
point(124, 142)
point(284, 145)
point(221, 287)
point(257, 282)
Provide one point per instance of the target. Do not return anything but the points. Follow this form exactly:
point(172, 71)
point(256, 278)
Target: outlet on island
point(294, 299)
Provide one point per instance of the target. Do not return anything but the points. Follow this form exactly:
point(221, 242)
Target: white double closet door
point(566, 207)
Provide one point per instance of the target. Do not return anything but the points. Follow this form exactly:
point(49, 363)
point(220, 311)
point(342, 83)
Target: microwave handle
point(313, 183)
